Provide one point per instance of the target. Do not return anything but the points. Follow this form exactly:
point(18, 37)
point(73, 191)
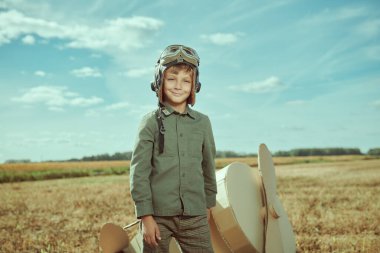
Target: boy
point(172, 168)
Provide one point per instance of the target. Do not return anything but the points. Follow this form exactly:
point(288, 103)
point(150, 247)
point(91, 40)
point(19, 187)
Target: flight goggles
point(178, 54)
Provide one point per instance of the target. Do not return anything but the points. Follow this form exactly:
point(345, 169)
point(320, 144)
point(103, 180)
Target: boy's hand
point(150, 230)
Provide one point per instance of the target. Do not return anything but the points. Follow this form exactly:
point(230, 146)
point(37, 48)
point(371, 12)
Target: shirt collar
point(168, 110)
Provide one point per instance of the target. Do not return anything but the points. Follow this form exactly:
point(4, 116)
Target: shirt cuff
point(143, 208)
point(210, 201)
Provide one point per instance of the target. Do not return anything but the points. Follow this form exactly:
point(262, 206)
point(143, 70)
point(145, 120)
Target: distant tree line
point(374, 151)
point(230, 154)
point(319, 152)
point(18, 161)
point(106, 157)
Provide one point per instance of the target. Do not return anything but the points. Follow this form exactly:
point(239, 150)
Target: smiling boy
point(172, 168)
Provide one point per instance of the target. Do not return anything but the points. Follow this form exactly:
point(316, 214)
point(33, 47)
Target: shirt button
point(180, 135)
point(183, 174)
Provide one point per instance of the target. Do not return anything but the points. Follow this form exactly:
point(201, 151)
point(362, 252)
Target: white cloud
point(51, 96)
point(328, 15)
point(28, 40)
point(270, 84)
point(116, 34)
point(55, 98)
point(86, 72)
point(351, 12)
point(96, 56)
point(220, 38)
point(376, 103)
point(26, 6)
point(139, 72)
point(40, 73)
point(296, 102)
point(117, 106)
point(373, 52)
point(84, 102)
point(109, 108)
point(121, 107)
point(369, 28)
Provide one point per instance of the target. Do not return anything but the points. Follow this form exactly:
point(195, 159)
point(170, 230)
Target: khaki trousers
point(191, 232)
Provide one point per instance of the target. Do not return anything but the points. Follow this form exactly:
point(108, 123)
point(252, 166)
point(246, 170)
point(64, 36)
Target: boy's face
point(177, 86)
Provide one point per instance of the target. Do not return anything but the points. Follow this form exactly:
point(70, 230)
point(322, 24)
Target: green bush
point(374, 151)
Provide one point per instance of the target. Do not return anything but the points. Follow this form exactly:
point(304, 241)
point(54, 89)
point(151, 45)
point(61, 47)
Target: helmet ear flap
point(197, 87)
point(156, 83)
point(153, 86)
point(197, 83)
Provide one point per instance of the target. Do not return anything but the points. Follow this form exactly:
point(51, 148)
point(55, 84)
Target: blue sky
point(75, 75)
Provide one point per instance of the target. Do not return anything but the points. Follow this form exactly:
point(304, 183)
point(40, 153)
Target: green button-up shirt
point(181, 180)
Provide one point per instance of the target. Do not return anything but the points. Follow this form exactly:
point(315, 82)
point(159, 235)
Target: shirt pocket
point(195, 143)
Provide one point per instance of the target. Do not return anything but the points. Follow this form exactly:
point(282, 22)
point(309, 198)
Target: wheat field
point(21, 167)
point(333, 207)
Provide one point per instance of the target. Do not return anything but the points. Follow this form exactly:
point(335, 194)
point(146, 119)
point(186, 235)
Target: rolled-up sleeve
point(141, 168)
point(208, 166)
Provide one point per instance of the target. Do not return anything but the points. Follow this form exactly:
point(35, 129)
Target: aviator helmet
point(172, 55)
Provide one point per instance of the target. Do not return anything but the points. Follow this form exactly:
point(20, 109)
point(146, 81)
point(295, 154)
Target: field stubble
point(333, 207)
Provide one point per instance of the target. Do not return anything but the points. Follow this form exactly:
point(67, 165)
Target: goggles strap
point(161, 128)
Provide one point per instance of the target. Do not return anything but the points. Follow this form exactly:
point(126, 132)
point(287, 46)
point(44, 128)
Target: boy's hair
point(178, 67)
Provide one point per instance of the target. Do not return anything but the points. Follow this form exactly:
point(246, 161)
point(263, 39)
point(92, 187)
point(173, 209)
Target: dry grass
point(21, 167)
point(62, 215)
point(54, 170)
point(252, 161)
point(334, 207)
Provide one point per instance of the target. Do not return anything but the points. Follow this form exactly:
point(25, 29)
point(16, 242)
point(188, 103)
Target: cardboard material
point(136, 244)
point(279, 235)
point(237, 212)
point(218, 243)
point(113, 238)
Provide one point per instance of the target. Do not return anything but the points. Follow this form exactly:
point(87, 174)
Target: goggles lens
point(179, 53)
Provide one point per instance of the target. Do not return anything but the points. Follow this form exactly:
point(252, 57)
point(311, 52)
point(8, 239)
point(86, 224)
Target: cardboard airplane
point(248, 216)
